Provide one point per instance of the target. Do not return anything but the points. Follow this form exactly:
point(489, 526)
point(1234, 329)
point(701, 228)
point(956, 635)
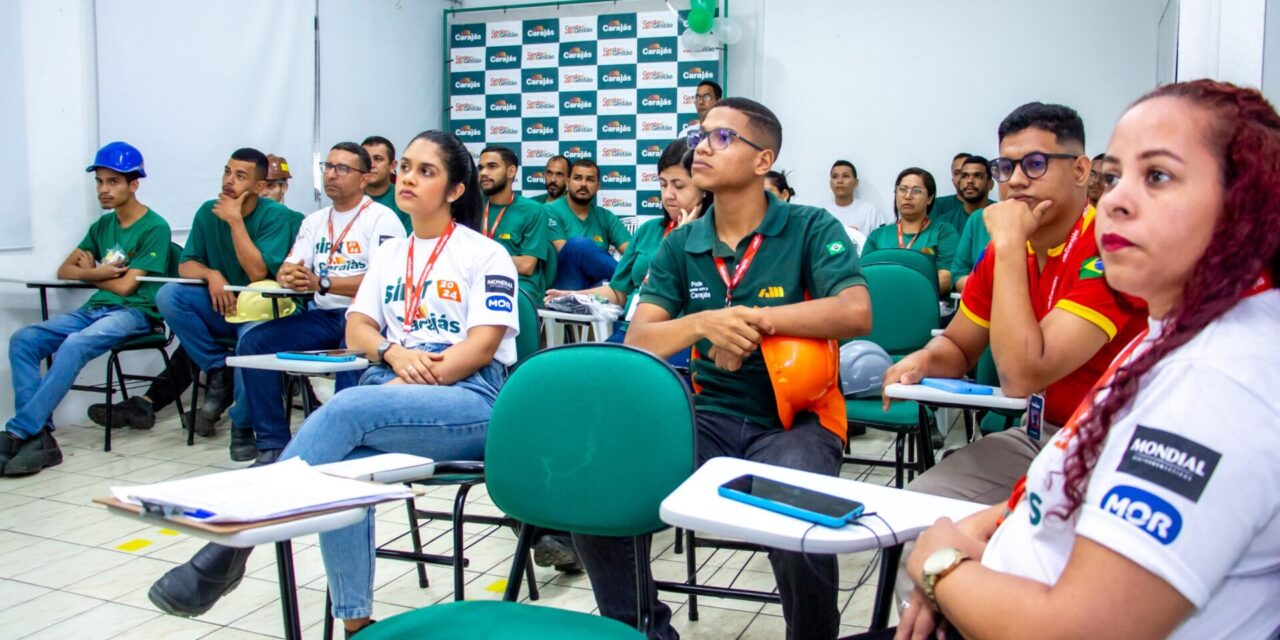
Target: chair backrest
point(904, 307)
point(529, 339)
point(927, 266)
point(175, 256)
point(570, 449)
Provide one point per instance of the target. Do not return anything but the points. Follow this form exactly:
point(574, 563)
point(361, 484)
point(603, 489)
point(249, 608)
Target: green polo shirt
point(209, 242)
point(388, 200)
point(805, 251)
point(950, 210)
point(143, 245)
point(522, 231)
point(541, 199)
point(973, 242)
point(937, 240)
point(634, 265)
point(601, 226)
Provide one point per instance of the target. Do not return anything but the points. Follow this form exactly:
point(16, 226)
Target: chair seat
point(477, 620)
point(868, 411)
point(149, 341)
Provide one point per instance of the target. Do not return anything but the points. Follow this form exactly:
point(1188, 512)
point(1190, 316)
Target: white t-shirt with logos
point(1187, 485)
point(473, 283)
point(860, 215)
point(311, 248)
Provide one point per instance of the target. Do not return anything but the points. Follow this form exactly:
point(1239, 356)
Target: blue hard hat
point(119, 156)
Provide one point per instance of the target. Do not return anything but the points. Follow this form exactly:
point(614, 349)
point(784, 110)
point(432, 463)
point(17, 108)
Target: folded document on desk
point(286, 488)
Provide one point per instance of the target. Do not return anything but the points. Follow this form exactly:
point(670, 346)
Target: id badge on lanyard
point(1035, 416)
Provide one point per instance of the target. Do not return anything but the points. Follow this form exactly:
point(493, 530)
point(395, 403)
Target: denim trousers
point(807, 585)
point(188, 310)
point(581, 263)
point(439, 422)
point(259, 393)
point(73, 339)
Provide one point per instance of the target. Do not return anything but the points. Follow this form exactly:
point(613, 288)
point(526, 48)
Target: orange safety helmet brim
point(804, 373)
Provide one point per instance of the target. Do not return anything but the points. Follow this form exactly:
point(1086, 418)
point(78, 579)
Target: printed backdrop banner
point(615, 88)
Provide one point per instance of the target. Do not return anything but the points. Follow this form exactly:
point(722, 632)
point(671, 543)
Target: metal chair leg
point(519, 563)
point(691, 568)
point(459, 504)
point(416, 537)
point(110, 392)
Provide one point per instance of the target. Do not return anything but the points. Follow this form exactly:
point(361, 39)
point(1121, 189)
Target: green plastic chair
point(904, 312)
point(926, 265)
point(530, 338)
point(590, 469)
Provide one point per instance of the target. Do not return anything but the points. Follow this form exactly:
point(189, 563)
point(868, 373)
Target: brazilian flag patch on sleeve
point(1092, 268)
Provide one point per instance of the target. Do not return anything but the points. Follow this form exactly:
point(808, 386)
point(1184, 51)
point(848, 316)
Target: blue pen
point(199, 514)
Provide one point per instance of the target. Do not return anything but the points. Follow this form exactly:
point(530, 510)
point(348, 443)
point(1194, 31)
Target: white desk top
point(164, 279)
point(269, 291)
point(571, 317)
point(697, 506)
point(48, 282)
point(385, 468)
point(270, 362)
point(939, 398)
point(259, 535)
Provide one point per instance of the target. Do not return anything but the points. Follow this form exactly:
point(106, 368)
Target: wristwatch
point(383, 348)
point(325, 283)
point(937, 566)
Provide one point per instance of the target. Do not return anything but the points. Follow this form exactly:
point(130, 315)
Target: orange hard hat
point(804, 373)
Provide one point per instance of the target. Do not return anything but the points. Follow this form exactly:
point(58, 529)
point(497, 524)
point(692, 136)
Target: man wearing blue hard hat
point(129, 241)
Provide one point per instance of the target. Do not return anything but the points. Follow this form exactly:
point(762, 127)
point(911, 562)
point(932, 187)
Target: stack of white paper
point(277, 490)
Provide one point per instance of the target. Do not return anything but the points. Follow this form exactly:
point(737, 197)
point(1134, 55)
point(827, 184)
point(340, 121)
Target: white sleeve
point(386, 227)
point(496, 282)
point(368, 298)
point(1187, 481)
point(304, 245)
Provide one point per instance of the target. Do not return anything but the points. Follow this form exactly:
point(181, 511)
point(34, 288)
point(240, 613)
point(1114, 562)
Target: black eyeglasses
point(1034, 165)
point(718, 139)
point(341, 169)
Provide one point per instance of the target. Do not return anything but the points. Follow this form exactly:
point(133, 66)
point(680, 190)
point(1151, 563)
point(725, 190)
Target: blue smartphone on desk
point(797, 502)
point(958, 386)
point(322, 355)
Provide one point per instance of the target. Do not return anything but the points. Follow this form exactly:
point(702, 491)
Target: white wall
point(1271, 53)
point(888, 85)
point(1221, 39)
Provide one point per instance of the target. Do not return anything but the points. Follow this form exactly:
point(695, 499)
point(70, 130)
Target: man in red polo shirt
point(1036, 296)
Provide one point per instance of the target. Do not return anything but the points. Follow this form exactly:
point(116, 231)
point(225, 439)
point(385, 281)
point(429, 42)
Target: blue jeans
point(73, 339)
point(260, 393)
point(439, 422)
point(807, 586)
point(188, 310)
point(582, 264)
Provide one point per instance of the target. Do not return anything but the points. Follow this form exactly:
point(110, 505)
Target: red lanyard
point(487, 231)
point(671, 225)
point(1066, 255)
point(739, 269)
point(913, 238)
point(334, 244)
point(413, 290)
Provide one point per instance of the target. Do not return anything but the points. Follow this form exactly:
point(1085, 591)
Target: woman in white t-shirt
point(1156, 511)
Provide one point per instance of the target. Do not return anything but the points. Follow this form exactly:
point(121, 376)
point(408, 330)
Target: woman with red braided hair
point(1155, 512)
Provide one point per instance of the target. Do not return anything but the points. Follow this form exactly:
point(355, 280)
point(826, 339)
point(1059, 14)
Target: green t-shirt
point(388, 200)
point(143, 245)
point(209, 242)
point(541, 199)
point(522, 231)
point(601, 226)
point(973, 242)
point(633, 268)
point(805, 251)
point(950, 209)
point(937, 240)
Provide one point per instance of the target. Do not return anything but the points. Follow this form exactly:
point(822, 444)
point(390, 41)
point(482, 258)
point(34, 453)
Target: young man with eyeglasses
point(1037, 298)
point(518, 224)
point(556, 177)
point(705, 96)
point(236, 238)
point(846, 207)
point(751, 267)
point(381, 187)
point(582, 232)
point(328, 260)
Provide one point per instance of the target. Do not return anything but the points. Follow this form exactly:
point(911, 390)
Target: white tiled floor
point(68, 569)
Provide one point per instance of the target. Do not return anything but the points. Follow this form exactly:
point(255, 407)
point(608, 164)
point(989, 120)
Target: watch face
point(939, 560)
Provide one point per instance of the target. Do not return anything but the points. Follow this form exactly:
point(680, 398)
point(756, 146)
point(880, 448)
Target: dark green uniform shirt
point(388, 200)
point(973, 241)
point(805, 250)
point(601, 226)
point(950, 209)
point(937, 240)
point(209, 242)
point(541, 199)
point(142, 245)
point(522, 231)
point(633, 268)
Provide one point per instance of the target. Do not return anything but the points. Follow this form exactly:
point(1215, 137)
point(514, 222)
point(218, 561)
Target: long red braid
point(1246, 239)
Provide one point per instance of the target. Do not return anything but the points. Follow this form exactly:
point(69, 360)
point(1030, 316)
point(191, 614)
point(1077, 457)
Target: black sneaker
point(266, 457)
point(557, 551)
point(37, 452)
point(135, 413)
point(216, 400)
point(244, 445)
point(9, 445)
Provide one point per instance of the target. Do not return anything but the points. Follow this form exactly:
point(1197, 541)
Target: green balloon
point(704, 5)
point(700, 20)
